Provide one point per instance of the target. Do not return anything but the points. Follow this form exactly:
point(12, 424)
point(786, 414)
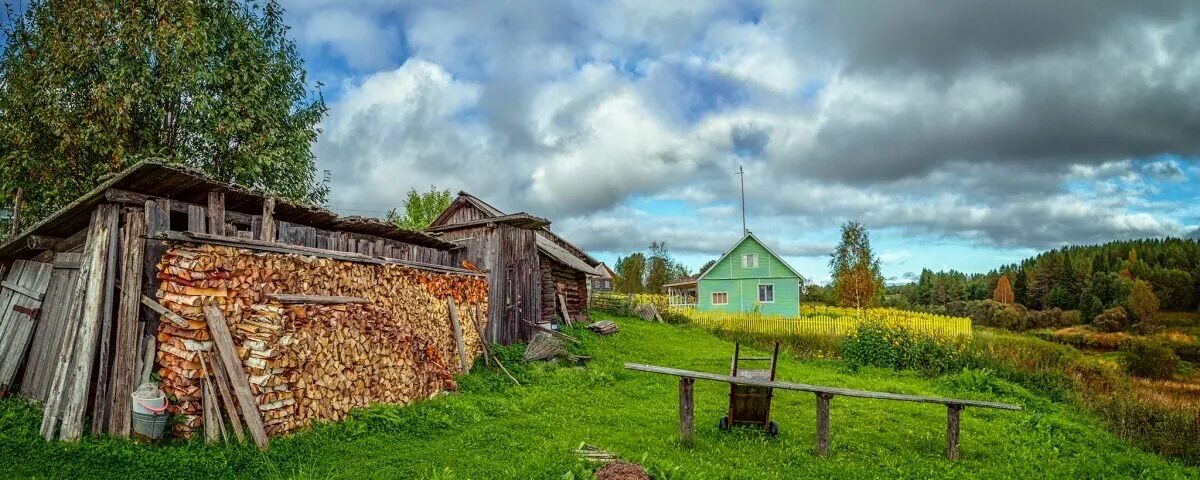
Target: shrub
point(1112, 320)
point(880, 345)
point(1150, 358)
point(1143, 305)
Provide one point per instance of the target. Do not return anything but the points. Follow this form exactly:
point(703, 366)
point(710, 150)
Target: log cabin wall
point(508, 255)
point(558, 278)
point(314, 362)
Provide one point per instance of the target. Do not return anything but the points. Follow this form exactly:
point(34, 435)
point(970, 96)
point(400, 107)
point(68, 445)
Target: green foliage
point(857, 281)
point(1090, 307)
point(1150, 358)
point(1143, 304)
point(421, 209)
point(631, 272)
point(879, 345)
point(88, 89)
point(642, 273)
point(1112, 320)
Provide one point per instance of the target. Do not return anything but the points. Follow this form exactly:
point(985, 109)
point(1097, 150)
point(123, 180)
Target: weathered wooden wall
point(509, 257)
point(570, 283)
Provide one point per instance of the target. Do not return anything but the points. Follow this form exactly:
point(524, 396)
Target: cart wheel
point(772, 428)
point(724, 423)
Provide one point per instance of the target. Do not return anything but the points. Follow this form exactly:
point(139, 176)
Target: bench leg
point(687, 409)
point(823, 424)
point(952, 431)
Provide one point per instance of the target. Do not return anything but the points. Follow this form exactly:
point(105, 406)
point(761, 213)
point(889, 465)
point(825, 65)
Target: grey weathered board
point(44, 347)
point(18, 314)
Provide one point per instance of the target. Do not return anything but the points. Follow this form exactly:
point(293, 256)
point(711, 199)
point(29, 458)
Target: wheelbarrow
point(748, 405)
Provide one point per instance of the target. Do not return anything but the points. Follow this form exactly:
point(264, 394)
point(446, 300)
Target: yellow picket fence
point(829, 321)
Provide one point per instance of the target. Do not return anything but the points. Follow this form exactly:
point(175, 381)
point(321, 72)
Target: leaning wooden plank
point(315, 299)
point(562, 308)
point(43, 337)
point(9, 296)
point(128, 308)
point(458, 335)
point(146, 364)
point(172, 317)
point(102, 398)
point(553, 332)
point(221, 378)
point(61, 386)
point(22, 315)
point(223, 340)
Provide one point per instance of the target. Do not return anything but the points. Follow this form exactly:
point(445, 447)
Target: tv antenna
point(742, 174)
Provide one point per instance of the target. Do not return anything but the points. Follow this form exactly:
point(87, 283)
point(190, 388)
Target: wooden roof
point(180, 183)
point(553, 250)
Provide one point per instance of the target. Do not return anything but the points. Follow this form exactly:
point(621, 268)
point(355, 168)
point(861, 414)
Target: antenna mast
point(742, 173)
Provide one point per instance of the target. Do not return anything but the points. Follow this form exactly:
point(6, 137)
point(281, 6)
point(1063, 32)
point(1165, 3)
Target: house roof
point(520, 220)
point(749, 235)
point(157, 179)
point(465, 198)
point(602, 270)
point(553, 250)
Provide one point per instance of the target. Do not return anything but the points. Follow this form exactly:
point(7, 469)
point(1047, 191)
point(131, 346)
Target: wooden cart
point(750, 405)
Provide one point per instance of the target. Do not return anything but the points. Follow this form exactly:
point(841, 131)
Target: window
point(766, 293)
point(720, 298)
point(750, 260)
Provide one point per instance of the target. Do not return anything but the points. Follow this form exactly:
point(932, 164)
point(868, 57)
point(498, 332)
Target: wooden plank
point(146, 364)
point(221, 379)
point(91, 279)
point(216, 213)
point(70, 261)
point(197, 220)
point(687, 409)
point(128, 310)
point(211, 417)
point(316, 299)
point(237, 376)
point(28, 292)
point(115, 195)
point(39, 366)
point(18, 318)
point(458, 335)
point(952, 412)
point(260, 245)
point(42, 242)
point(816, 389)
point(172, 317)
point(823, 424)
point(102, 398)
point(554, 332)
point(562, 306)
point(267, 230)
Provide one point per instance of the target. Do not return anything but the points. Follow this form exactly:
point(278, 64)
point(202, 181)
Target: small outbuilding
point(535, 276)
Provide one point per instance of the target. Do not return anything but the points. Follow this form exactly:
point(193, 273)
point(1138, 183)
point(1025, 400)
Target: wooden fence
point(839, 322)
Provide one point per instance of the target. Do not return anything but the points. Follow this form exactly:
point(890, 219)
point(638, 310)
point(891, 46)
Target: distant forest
point(1087, 278)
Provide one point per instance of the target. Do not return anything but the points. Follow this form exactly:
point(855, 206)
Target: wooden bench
point(687, 408)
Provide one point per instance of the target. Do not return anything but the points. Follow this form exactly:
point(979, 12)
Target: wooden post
point(823, 424)
point(267, 230)
point(458, 335)
point(128, 308)
point(16, 215)
point(196, 219)
point(216, 213)
point(687, 409)
point(952, 430)
point(223, 340)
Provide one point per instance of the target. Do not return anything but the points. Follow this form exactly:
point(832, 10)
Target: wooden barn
point(252, 310)
point(533, 273)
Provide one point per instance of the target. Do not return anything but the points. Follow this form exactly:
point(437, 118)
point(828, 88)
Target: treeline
point(1086, 278)
point(648, 272)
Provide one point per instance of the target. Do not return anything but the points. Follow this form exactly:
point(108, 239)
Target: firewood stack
point(307, 361)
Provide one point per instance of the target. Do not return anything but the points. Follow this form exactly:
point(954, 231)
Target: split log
point(237, 378)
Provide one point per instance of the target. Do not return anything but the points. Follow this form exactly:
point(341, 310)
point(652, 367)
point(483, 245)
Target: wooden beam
point(817, 389)
point(823, 424)
point(260, 245)
point(91, 282)
point(687, 409)
point(221, 378)
point(237, 376)
point(42, 242)
point(267, 230)
point(315, 299)
point(216, 213)
point(562, 306)
point(115, 195)
point(128, 310)
point(458, 336)
point(952, 412)
point(22, 290)
point(172, 317)
point(72, 242)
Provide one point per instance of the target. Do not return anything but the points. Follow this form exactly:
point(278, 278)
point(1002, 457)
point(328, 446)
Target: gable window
point(720, 298)
point(750, 260)
point(766, 293)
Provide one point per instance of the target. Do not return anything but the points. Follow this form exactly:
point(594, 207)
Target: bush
point(1150, 358)
point(1112, 320)
point(879, 345)
point(1143, 305)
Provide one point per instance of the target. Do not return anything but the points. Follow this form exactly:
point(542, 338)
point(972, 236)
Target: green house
point(747, 278)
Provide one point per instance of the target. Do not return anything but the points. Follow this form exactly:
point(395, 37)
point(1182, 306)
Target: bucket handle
point(152, 409)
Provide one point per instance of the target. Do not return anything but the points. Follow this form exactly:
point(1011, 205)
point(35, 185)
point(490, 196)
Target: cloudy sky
point(965, 134)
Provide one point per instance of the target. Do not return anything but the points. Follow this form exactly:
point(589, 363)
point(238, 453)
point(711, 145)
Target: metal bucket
point(149, 426)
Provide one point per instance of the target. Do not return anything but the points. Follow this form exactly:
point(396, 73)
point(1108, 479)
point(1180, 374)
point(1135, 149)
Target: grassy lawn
point(493, 430)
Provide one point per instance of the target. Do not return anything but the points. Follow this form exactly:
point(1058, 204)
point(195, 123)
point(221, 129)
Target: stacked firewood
point(306, 361)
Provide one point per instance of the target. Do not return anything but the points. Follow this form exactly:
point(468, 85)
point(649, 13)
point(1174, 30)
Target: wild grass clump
point(1150, 358)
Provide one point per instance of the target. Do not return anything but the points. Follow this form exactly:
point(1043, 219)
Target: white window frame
point(713, 297)
point(749, 256)
point(760, 292)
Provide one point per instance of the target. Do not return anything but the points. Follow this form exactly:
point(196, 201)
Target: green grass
point(494, 430)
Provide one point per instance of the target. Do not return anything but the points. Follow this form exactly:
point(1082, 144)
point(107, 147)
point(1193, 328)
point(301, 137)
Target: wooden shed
point(533, 273)
point(273, 312)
